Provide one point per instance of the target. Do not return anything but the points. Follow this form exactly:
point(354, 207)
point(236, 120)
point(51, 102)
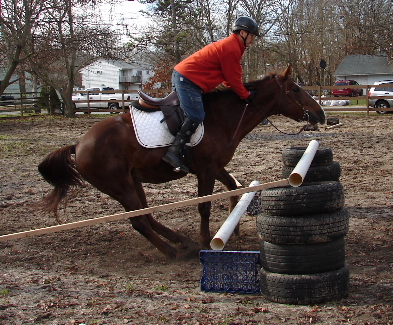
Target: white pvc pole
point(223, 234)
point(299, 172)
point(295, 179)
point(135, 213)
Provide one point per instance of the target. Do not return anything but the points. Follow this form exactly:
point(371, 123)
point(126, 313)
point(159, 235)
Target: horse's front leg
point(205, 187)
point(231, 183)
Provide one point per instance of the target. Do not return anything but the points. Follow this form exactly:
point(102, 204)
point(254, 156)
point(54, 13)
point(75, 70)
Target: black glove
point(250, 99)
point(249, 86)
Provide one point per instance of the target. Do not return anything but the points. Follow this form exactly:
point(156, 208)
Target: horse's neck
point(234, 119)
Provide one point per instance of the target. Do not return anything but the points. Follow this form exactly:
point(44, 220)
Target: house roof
point(130, 65)
point(364, 65)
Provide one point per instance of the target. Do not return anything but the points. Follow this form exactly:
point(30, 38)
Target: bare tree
point(367, 26)
point(313, 30)
point(66, 42)
point(17, 22)
point(70, 39)
point(55, 39)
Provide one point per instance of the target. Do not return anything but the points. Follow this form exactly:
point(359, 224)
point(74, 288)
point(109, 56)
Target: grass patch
point(4, 292)
point(16, 148)
point(357, 102)
point(162, 288)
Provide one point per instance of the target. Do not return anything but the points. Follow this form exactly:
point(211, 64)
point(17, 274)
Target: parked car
point(99, 99)
point(347, 91)
point(7, 100)
point(382, 91)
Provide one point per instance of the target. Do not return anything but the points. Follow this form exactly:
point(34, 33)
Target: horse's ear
point(287, 71)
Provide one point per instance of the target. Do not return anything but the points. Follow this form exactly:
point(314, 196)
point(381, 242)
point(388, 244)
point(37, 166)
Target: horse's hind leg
point(158, 227)
point(120, 185)
point(143, 226)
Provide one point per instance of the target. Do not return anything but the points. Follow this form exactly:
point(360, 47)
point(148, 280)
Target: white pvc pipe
point(223, 234)
point(299, 172)
point(135, 213)
point(238, 184)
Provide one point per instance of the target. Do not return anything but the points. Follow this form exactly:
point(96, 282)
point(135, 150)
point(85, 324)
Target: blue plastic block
point(230, 271)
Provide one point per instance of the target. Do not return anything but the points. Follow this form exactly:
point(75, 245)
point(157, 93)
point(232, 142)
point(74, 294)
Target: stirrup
point(183, 169)
point(176, 169)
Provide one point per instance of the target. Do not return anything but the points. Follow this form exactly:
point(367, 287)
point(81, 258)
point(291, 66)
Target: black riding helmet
point(247, 24)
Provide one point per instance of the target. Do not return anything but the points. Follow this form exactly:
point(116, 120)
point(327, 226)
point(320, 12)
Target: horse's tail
point(58, 170)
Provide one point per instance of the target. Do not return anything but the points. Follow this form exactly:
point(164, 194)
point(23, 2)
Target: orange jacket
point(216, 63)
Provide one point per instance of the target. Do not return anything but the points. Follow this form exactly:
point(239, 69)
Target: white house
point(365, 69)
point(14, 88)
point(116, 74)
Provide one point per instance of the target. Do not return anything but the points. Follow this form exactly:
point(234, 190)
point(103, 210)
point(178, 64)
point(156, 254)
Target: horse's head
point(292, 101)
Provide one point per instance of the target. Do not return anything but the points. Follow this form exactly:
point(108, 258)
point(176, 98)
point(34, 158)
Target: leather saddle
point(169, 105)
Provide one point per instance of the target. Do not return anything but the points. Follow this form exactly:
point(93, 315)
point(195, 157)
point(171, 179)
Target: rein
point(281, 85)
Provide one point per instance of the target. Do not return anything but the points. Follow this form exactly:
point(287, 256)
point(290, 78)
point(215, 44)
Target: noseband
point(306, 115)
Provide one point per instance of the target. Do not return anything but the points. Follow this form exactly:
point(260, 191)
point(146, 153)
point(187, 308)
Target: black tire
point(113, 106)
point(255, 207)
point(310, 198)
point(323, 173)
point(319, 228)
point(382, 104)
point(303, 259)
point(291, 156)
point(305, 289)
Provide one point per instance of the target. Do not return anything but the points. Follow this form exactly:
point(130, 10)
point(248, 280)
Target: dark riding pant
point(190, 96)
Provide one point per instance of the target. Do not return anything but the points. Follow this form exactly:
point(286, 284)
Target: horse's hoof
point(206, 243)
point(190, 253)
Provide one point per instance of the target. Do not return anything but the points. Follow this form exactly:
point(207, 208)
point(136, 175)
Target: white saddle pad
point(151, 133)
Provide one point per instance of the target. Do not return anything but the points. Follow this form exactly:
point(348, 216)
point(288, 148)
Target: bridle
point(306, 115)
point(283, 91)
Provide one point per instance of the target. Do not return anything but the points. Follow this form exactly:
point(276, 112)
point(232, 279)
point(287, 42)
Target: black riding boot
point(174, 155)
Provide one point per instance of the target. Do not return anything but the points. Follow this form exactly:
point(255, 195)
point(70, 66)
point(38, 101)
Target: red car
point(347, 91)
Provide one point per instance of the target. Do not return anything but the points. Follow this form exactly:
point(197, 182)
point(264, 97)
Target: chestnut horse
point(110, 158)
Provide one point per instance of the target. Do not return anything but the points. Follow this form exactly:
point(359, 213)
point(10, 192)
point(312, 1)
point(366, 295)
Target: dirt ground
point(110, 274)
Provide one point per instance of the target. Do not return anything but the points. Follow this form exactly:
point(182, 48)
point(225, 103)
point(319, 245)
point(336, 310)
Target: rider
point(215, 65)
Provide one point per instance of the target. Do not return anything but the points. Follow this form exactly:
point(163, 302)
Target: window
point(385, 89)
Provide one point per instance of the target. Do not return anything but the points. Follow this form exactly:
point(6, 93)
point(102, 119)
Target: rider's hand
point(251, 98)
point(249, 86)
point(222, 86)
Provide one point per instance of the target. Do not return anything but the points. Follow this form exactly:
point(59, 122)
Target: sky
point(123, 10)
point(122, 15)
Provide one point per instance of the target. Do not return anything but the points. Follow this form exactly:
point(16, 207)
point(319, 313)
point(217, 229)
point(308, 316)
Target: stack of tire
point(302, 231)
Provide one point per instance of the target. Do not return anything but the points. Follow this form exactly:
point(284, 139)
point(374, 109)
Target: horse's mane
point(216, 94)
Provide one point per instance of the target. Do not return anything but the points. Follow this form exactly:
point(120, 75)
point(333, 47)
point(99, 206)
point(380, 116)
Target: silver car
point(382, 91)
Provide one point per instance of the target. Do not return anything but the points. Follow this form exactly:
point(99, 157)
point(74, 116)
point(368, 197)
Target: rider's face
point(248, 37)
